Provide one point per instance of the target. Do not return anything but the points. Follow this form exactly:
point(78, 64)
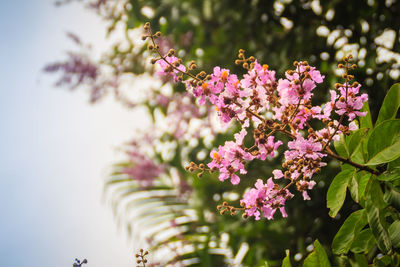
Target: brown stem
point(352, 163)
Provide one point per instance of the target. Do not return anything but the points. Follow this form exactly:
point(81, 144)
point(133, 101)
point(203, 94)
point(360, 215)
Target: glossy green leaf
point(317, 258)
point(363, 242)
point(353, 141)
point(390, 175)
point(390, 105)
point(349, 230)
point(341, 148)
point(286, 261)
point(384, 143)
point(394, 232)
point(374, 205)
point(361, 261)
point(337, 191)
point(392, 197)
point(382, 261)
point(366, 121)
point(358, 184)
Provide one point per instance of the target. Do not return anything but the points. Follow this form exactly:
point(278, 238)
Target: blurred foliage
point(276, 33)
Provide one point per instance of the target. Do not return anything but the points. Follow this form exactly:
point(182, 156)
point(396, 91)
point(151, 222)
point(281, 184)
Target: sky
point(56, 149)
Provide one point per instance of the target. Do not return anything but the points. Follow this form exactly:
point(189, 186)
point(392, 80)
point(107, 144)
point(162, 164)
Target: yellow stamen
point(224, 75)
point(216, 156)
point(265, 66)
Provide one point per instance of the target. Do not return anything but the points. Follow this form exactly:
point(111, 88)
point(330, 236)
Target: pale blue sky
point(56, 148)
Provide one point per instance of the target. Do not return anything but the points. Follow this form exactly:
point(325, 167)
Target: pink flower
point(265, 198)
point(307, 148)
point(267, 147)
point(278, 174)
point(303, 186)
point(230, 158)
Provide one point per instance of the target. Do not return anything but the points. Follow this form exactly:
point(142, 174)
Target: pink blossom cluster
point(288, 102)
point(266, 198)
point(348, 102)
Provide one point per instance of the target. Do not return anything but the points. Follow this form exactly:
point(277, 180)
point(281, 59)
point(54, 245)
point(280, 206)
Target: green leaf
point(337, 191)
point(394, 232)
point(363, 242)
point(390, 105)
point(340, 147)
point(394, 164)
point(347, 233)
point(384, 143)
point(358, 184)
point(286, 261)
point(390, 175)
point(366, 121)
point(317, 258)
point(383, 261)
point(374, 205)
point(353, 141)
point(361, 261)
point(392, 197)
